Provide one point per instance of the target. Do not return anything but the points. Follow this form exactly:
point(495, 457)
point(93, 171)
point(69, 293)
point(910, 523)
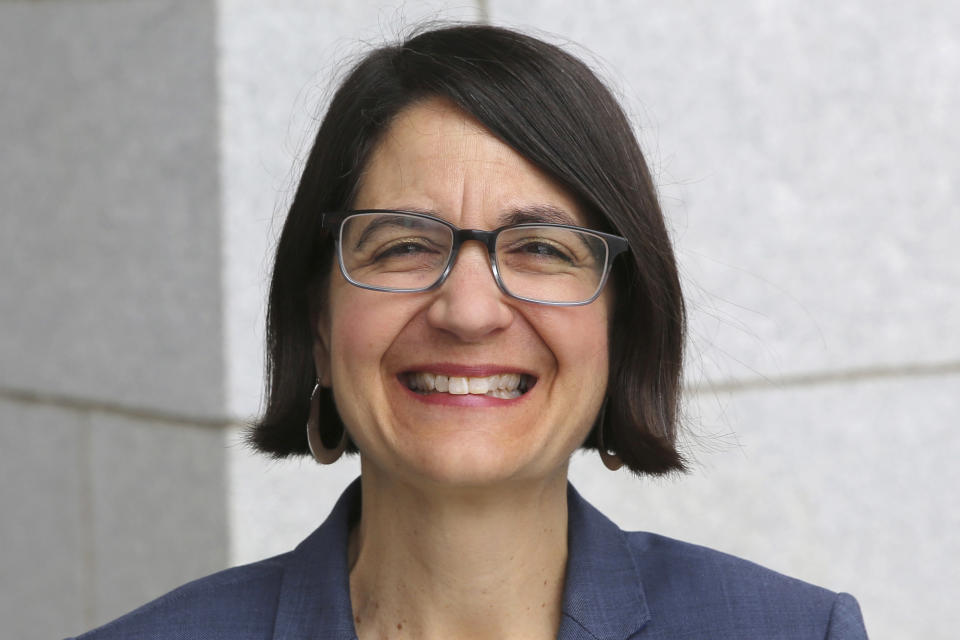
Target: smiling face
point(399, 363)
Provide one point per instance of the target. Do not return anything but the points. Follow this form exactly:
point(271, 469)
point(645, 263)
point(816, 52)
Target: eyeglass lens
point(400, 252)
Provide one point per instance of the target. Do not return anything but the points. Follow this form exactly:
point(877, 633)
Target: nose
point(469, 304)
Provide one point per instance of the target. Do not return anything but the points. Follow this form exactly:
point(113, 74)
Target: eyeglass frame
point(615, 244)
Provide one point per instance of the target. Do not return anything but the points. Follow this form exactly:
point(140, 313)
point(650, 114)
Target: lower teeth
point(503, 394)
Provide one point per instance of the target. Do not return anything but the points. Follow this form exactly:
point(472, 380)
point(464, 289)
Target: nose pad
point(474, 261)
point(469, 303)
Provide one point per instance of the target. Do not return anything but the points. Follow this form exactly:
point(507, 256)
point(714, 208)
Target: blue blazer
point(619, 585)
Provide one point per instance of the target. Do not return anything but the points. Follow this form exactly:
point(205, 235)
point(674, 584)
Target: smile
point(505, 386)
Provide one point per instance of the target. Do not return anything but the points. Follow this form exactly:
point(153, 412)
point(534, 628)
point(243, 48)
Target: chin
point(476, 466)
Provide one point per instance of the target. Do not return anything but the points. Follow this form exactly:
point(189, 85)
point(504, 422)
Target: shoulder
point(700, 569)
point(713, 589)
point(235, 604)
point(664, 588)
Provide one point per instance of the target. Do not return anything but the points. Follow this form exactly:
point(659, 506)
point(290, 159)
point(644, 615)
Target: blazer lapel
point(603, 597)
point(314, 597)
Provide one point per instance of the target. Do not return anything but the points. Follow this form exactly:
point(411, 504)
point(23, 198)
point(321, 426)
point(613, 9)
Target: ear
point(321, 348)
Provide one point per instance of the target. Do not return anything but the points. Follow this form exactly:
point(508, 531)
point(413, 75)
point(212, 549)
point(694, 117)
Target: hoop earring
point(321, 454)
point(610, 460)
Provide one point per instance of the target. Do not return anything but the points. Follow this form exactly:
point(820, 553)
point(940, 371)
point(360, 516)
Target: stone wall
point(806, 157)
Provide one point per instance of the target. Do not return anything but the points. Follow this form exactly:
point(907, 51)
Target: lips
point(506, 386)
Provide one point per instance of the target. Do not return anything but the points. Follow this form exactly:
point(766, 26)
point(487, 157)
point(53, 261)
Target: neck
point(464, 563)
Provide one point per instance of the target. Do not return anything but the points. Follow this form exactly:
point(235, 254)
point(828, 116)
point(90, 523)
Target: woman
point(473, 281)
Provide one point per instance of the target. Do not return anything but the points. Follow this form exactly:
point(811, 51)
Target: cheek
point(364, 327)
point(595, 356)
point(578, 338)
point(359, 334)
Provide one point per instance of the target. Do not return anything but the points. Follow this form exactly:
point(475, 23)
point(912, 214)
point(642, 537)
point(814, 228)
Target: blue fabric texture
point(619, 586)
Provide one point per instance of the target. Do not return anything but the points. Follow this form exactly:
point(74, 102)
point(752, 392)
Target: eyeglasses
point(405, 252)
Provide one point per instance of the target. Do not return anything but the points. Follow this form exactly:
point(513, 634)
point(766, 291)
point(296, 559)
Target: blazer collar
point(603, 597)
point(314, 599)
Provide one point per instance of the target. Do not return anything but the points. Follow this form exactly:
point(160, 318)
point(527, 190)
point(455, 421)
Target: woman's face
point(373, 346)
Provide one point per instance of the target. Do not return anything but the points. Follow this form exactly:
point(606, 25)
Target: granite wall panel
point(110, 239)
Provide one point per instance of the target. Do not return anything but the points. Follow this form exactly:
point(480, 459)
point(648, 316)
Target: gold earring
point(321, 454)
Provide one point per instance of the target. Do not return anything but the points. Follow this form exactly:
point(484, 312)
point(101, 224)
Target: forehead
point(434, 158)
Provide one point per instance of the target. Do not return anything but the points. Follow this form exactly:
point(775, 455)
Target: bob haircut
point(555, 112)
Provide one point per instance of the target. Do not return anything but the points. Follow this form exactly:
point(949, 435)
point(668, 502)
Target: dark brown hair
point(553, 110)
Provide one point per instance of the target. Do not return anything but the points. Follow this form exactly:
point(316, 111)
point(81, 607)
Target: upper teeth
point(506, 383)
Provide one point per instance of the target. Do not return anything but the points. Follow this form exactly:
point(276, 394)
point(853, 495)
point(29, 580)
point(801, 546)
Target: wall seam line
point(853, 375)
point(88, 552)
point(864, 374)
point(483, 11)
point(86, 405)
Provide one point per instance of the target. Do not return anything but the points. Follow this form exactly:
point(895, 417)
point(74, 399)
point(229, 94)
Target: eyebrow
point(385, 221)
point(538, 213)
point(534, 213)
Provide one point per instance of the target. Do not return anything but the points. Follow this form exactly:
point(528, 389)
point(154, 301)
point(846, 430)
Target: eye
point(402, 249)
point(543, 250)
